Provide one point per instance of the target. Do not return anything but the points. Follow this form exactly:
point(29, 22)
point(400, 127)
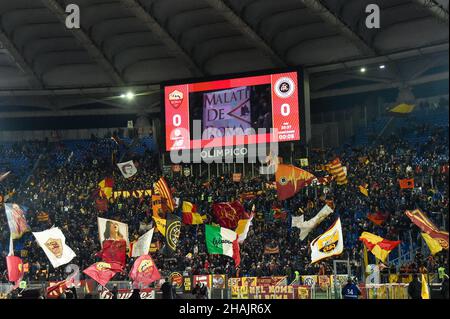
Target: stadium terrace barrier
point(311, 287)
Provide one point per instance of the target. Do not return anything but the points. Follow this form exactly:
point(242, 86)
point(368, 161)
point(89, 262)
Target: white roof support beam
point(153, 25)
point(13, 51)
point(316, 7)
point(379, 86)
point(435, 9)
point(251, 34)
point(94, 51)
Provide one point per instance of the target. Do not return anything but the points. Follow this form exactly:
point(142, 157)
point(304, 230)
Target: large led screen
point(230, 112)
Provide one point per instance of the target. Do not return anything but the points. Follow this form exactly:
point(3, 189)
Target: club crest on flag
point(146, 266)
point(102, 266)
point(173, 233)
point(328, 242)
point(55, 247)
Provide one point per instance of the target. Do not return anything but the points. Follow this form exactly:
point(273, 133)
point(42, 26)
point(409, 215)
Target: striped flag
point(337, 170)
point(163, 189)
point(421, 220)
point(379, 246)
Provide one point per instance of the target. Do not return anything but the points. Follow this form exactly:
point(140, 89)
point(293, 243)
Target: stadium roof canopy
point(136, 44)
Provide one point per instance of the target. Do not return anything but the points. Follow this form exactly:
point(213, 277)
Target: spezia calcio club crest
point(284, 87)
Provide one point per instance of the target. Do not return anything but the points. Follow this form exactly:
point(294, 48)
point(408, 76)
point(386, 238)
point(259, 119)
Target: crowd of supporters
point(67, 193)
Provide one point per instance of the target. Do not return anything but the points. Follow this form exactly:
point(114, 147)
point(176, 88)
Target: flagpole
point(365, 261)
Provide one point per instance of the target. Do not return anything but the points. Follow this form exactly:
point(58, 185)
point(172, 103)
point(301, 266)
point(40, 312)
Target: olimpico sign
point(238, 152)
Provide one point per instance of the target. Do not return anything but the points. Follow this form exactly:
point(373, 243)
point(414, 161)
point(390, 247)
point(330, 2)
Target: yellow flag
point(363, 189)
point(432, 243)
point(425, 290)
point(160, 225)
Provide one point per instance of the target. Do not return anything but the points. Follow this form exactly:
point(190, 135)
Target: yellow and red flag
point(427, 226)
point(379, 246)
point(190, 214)
point(337, 170)
point(106, 187)
point(162, 188)
point(290, 180)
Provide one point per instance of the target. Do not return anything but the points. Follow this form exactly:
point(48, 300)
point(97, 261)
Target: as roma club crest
point(146, 267)
point(55, 246)
point(329, 242)
point(102, 266)
point(176, 98)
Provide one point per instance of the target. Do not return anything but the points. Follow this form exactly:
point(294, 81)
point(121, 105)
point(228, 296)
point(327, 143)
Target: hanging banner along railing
point(271, 292)
point(134, 193)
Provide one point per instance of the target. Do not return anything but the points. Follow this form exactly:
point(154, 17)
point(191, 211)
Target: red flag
point(101, 204)
point(229, 214)
point(114, 251)
point(144, 271)
point(378, 218)
point(290, 180)
point(15, 268)
point(406, 183)
point(102, 272)
point(279, 214)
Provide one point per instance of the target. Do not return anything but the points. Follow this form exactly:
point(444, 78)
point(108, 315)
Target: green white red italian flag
point(222, 241)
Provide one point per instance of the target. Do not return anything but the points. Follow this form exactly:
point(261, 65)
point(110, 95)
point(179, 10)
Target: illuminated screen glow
point(232, 112)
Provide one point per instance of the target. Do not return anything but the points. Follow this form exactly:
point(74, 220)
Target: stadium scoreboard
point(233, 111)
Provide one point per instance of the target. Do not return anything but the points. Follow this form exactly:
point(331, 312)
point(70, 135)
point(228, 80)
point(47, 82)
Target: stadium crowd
point(67, 192)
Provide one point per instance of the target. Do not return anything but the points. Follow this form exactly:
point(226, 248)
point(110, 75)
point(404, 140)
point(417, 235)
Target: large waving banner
point(290, 180)
point(17, 223)
point(228, 214)
point(330, 243)
point(144, 271)
point(427, 226)
point(53, 242)
point(128, 169)
point(102, 272)
point(226, 109)
point(307, 226)
point(142, 246)
point(109, 229)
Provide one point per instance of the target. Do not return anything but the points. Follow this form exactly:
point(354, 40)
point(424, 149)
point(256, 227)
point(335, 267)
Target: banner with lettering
point(226, 109)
